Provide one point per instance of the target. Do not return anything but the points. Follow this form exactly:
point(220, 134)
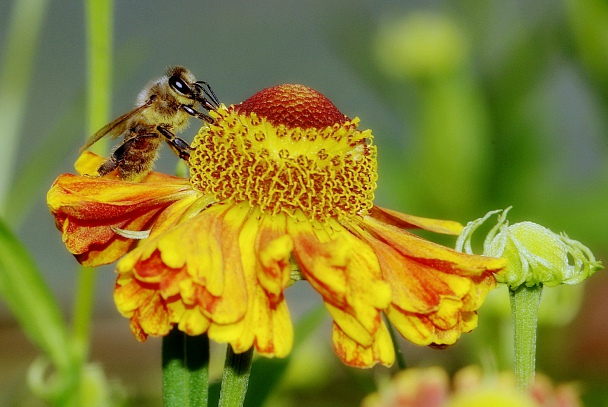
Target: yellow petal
point(345, 271)
point(352, 353)
point(267, 323)
point(273, 247)
point(206, 246)
point(193, 322)
point(416, 328)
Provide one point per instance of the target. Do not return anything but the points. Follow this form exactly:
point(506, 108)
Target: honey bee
point(163, 108)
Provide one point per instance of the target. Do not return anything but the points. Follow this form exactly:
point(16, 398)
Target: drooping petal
point(345, 271)
point(143, 306)
point(206, 248)
point(267, 323)
point(210, 283)
point(406, 221)
point(380, 349)
point(89, 211)
point(433, 254)
point(273, 247)
point(435, 290)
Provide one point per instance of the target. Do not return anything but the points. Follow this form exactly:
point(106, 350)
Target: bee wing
point(116, 127)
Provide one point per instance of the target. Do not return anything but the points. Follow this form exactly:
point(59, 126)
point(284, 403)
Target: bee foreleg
point(193, 112)
point(179, 146)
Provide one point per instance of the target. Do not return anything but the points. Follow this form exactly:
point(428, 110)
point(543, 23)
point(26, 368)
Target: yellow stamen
point(326, 173)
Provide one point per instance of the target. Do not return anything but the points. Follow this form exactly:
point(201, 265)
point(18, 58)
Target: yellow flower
point(470, 387)
point(280, 181)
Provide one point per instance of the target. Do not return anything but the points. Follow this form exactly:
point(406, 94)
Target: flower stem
point(525, 302)
point(185, 369)
point(99, 28)
point(236, 378)
point(99, 49)
point(398, 352)
point(83, 311)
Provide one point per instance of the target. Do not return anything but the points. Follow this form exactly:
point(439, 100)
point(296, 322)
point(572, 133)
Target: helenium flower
point(283, 177)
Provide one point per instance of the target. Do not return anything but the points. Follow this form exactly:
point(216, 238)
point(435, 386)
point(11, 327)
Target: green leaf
point(31, 301)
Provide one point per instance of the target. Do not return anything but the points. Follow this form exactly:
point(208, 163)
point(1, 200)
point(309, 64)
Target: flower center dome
point(287, 149)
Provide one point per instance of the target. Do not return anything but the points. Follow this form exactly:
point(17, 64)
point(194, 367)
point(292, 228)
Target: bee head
point(183, 83)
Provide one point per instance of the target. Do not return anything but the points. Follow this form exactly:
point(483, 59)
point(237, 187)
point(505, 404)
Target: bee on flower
point(282, 178)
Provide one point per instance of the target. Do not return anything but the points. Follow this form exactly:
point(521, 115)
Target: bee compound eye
point(179, 85)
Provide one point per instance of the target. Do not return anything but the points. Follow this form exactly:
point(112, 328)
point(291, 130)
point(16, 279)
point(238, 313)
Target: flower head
point(283, 178)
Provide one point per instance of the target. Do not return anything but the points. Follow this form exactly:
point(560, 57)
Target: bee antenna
point(208, 92)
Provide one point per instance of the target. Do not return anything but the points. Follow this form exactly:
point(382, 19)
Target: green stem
point(83, 311)
point(185, 369)
point(99, 80)
point(99, 41)
point(398, 352)
point(525, 302)
point(99, 33)
point(235, 379)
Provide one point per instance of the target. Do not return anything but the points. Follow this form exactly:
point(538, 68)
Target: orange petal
point(436, 290)
point(433, 254)
point(415, 287)
point(406, 221)
point(88, 211)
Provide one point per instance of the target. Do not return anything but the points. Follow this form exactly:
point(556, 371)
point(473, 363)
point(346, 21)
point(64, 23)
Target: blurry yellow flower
point(431, 387)
point(283, 178)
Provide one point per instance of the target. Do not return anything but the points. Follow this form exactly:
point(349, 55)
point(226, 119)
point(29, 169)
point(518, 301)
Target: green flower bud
point(536, 255)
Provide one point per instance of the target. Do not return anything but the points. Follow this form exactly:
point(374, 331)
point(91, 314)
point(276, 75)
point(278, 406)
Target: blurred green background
point(474, 106)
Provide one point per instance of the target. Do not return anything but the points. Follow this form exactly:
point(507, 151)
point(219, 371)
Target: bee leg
point(178, 145)
point(118, 155)
point(107, 167)
point(193, 112)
